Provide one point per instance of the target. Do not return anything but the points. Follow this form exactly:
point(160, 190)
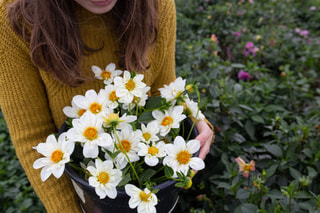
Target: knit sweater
point(32, 101)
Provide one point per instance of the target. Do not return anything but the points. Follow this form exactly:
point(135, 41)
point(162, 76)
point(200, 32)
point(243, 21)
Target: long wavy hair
point(37, 21)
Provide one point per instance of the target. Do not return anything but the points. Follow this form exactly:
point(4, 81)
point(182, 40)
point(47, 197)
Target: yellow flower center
point(247, 167)
point(183, 157)
point(103, 177)
point(125, 146)
point(91, 133)
point(95, 108)
point(166, 121)
point(113, 119)
point(106, 74)
point(113, 96)
point(56, 156)
point(144, 196)
point(130, 85)
point(136, 100)
point(146, 136)
point(153, 150)
point(81, 112)
point(189, 87)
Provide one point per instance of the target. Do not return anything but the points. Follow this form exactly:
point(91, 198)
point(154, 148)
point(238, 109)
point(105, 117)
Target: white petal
point(58, 171)
point(90, 150)
point(102, 194)
point(151, 161)
point(131, 190)
point(193, 146)
point(45, 173)
point(112, 192)
point(196, 163)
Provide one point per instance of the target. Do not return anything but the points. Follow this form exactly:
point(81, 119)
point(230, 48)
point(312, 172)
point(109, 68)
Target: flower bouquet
point(119, 140)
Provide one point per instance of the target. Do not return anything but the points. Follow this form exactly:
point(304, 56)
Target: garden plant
point(257, 66)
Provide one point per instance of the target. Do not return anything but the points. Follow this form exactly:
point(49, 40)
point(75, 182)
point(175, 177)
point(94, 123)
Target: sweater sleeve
point(166, 40)
point(24, 103)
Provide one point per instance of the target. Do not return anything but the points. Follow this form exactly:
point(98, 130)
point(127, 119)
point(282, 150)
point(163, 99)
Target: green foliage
point(16, 194)
point(271, 117)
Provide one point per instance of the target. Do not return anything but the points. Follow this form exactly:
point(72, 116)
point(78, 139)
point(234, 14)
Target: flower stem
point(195, 120)
point(125, 153)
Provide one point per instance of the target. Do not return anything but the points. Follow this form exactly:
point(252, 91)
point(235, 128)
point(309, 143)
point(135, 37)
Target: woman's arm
point(24, 104)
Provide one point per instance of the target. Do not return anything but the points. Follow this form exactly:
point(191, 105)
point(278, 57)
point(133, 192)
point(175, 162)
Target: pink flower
point(249, 45)
point(313, 8)
point(304, 33)
point(251, 1)
point(244, 167)
point(242, 75)
point(237, 34)
point(241, 13)
point(250, 48)
point(214, 38)
point(297, 30)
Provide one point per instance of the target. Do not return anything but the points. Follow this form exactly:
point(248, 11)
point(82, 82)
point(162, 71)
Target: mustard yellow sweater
point(32, 101)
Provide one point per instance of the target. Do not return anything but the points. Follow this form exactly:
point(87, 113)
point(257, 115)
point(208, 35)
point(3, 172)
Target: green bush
point(271, 115)
point(16, 194)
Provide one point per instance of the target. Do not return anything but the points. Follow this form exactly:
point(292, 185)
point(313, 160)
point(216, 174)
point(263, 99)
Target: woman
point(47, 49)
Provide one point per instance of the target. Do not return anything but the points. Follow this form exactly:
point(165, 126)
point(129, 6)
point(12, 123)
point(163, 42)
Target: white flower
point(152, 153)
point(74, 111)
point(128, 87)
point(150, 132)
point(108, 74)
point(128, 143)
point(169, 119)
point(192, 108)
point(180, 156)
point(174, 90)
point(92, 102)
point(143, 199)
point(104, 178)
point(57, 154)
point(111, 119)
point(111, 99)
point(88, 131)
point(140, 101)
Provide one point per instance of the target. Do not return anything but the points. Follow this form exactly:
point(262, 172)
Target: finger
point(205, 149)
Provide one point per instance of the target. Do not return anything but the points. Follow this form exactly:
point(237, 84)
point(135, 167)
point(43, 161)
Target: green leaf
point(270, 171)
point(250, 129)
point(243, 194)
point(302, 195)
point(147, 174)
point(295, 173)
point(246, 208)
point(307, 152)
point(224, 185)
point(154, 103)
point(274, 108)
point(312, 173)
point(274, 149)
point(245, 107)
point(125, 180)
point(168, 171)
point(146, 116)
point(257, 118)
point(240, 66)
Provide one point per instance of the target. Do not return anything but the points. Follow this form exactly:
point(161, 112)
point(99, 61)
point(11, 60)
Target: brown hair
point(37, 21)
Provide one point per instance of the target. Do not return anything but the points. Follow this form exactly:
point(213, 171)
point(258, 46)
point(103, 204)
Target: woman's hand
point(205, 137)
